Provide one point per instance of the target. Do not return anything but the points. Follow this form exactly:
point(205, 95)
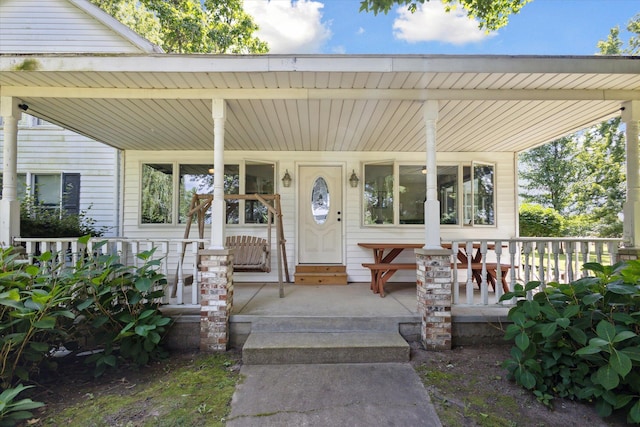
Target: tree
point(601, 191)
point(492, 14)
point(547, 175)
point(189, 26)
point(582, 176)
point(613, 45)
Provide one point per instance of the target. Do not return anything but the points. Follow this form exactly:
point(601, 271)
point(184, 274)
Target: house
point(62, 169)
point(377, 148)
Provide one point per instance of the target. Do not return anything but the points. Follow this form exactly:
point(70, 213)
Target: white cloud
point(290, 26)
point(360, 31)
point(431, 22)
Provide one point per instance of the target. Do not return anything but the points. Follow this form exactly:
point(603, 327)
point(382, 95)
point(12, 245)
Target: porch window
point(448, 194)
point(157, 193)
point(258, 179)
point(378, 194)
point(412, 192)
point(158, 189)
point(479, 195)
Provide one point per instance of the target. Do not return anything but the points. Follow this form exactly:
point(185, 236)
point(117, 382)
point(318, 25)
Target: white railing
point(495, 266)
point(177, 259)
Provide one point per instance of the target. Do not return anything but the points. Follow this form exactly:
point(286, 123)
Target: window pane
point(157, 194)
point(483, 195)
point(413, 189)
point(320, 201)
point(259, 179)
point(47, 189)
point(232, 186)
point(448, 194)
point(194, 179)
point(467, 200)
point(478, 195)
point(378, 194)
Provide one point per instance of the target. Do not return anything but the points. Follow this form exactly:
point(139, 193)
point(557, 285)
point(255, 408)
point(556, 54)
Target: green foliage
point(37, 220)
point(614, 46)
point(492, 14)
point(536, 220)
point(547, 174)
point(97, 304)
point(189, 26)
point(580, 340)
point(13, 411)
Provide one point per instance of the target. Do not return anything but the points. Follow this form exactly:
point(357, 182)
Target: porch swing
point(251, 253)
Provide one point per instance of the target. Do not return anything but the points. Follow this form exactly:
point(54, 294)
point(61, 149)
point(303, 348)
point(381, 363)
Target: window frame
point(175, 204)
point(461, 196)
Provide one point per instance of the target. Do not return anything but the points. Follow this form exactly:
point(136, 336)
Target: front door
point(320, 215)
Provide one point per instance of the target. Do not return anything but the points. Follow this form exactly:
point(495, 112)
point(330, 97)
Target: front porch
point(326, 304)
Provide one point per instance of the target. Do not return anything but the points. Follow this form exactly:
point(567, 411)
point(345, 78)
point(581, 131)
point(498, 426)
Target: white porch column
point(219, 113)
point(631, 226)
point(9, 205)
point(431, 204)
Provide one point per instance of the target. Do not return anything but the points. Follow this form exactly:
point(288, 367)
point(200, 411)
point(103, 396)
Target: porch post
point(216, 262)
point(218, 217)
point(431, 204)
point(631, 209)
point(9, 204)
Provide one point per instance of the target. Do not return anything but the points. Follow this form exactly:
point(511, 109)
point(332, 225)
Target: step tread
point(324, 340)
point(269, 348)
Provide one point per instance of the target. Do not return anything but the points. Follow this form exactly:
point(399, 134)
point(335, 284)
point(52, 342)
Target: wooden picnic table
point(383, 266)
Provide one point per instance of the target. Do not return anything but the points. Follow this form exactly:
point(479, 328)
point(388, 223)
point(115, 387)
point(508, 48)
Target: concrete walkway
point(327, 395)
point(354, 394)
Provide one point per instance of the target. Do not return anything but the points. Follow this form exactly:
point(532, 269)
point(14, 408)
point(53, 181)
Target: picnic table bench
point(383, 267)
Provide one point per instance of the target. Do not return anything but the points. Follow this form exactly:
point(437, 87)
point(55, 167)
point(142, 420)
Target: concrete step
point(270, 348)
point(323, 324)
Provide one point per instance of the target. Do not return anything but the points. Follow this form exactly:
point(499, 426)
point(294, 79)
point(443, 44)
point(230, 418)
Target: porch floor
point(353, 300)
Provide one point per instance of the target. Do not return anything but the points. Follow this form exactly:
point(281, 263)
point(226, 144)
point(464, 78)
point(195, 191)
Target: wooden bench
point(382, 272)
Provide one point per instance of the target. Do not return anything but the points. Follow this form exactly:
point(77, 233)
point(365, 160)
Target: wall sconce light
point(286, 179)
point(424, 170)
point(211, 170)
point(353, 180)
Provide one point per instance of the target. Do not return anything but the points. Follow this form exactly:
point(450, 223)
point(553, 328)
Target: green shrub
point(37, 220)
point(536, 220)
point(580, 340)
point(12, 411)
point(98, 304)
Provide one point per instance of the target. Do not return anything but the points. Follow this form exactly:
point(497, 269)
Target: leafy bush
point(536, 220)
point(37, 220)
point(580, 340)
point(11, 412)
point(97, 304)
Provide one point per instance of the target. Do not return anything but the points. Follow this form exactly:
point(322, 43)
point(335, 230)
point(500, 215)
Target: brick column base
point(434, 297)
point(216, 298)
point(628, 254)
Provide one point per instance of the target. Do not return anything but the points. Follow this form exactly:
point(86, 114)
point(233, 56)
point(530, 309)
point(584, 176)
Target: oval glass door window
point(320, 201)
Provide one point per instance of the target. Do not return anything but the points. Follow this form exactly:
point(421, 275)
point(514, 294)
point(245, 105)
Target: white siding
point(51, 149)
point(42, 26)
point(354, 232)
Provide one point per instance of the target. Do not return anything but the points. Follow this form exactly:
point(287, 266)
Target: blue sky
point(543, 27)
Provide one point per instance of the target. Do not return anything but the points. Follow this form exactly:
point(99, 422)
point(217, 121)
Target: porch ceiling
point(318, 103)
